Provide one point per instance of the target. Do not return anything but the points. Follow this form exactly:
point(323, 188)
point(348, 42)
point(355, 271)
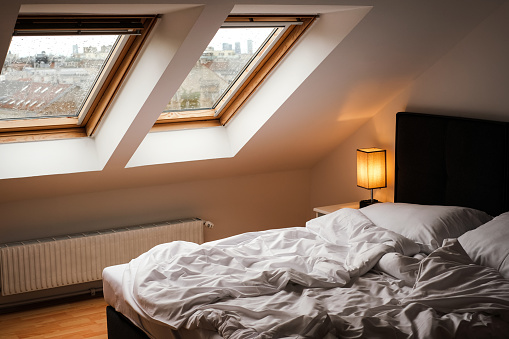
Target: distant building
point(41, 57)
point(250, 47)
point(90, 49)
point(201, 89)
point(92, 53)
point(210, 55)
point(237, 48)
point(227, 47)
point(10, 58)
point(32, 99)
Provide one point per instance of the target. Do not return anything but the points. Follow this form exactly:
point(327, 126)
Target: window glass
point(51, 76)
point(229, 53)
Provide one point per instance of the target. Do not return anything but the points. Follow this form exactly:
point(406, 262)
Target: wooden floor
point(72, 319)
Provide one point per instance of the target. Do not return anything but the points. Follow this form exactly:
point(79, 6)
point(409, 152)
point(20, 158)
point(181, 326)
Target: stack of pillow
point(484, 238)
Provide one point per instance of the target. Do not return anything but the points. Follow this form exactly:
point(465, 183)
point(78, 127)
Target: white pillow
point(333, 227)
point(488, 245)
point(427, 225)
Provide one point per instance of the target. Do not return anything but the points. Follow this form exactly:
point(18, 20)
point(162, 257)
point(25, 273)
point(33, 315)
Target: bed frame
point(452, 161)
point(440, 160)
point(119, 327)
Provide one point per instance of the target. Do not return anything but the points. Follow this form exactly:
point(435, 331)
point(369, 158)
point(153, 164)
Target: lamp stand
point(364, 203)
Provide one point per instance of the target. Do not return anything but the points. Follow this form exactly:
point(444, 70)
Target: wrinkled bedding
point(359, 281)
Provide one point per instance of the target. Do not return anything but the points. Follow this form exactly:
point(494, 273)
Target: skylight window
point(234, 64)
point(229, 53)
point(70, 66)
point(46, 66)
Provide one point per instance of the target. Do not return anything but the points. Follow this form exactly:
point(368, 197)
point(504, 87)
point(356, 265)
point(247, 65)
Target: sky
point(63, 45)
point(56, 45)
point(242, 35)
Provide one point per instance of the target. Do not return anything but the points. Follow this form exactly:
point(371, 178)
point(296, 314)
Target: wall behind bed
point(235, 204)
point(471, 80)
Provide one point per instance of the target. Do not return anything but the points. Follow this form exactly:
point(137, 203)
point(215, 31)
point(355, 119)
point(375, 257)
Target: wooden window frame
point(100, 97)
point(230, 105)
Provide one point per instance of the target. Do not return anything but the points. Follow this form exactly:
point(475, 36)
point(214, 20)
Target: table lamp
point(371, 171)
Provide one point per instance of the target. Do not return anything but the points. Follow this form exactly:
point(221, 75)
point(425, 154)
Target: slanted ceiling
point(356, 58)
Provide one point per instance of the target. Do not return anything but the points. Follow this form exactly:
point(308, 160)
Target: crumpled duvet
point(298, 283)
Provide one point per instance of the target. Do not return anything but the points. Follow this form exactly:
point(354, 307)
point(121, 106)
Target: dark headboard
point(452, 161)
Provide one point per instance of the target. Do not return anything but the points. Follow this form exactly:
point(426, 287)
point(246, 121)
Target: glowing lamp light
point(371, 171)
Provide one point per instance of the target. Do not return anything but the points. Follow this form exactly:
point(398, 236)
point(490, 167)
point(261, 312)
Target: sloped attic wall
point(471, 80)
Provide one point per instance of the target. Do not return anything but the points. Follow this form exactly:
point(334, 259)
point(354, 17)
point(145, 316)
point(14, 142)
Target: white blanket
point(296, 283)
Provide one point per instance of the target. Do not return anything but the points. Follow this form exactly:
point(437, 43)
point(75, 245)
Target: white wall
point(471, 80)
point(233, 204)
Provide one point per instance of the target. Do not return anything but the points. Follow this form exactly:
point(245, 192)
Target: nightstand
point(328, 209)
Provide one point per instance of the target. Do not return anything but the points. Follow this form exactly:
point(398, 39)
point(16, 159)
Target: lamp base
point(364, 203)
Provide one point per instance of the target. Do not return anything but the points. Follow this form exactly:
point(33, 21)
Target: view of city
point(227, 55)
point(51, 76)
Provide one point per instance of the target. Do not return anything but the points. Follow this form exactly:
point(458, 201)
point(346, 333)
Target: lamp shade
point(371, 168)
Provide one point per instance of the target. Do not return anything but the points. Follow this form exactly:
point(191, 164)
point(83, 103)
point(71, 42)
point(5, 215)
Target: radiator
point(79, 258)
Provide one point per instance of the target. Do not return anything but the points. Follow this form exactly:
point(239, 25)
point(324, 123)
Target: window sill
point(42, 135)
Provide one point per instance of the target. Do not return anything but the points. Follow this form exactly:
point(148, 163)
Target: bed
point(431, 265)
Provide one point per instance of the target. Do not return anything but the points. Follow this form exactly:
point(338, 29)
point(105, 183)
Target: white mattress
point(380, 285)
point(114, 296)
point(112, 289)
point(374, 288)
point(349, 277)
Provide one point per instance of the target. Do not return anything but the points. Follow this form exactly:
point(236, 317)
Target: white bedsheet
point(112, 289)
point(294, 282)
